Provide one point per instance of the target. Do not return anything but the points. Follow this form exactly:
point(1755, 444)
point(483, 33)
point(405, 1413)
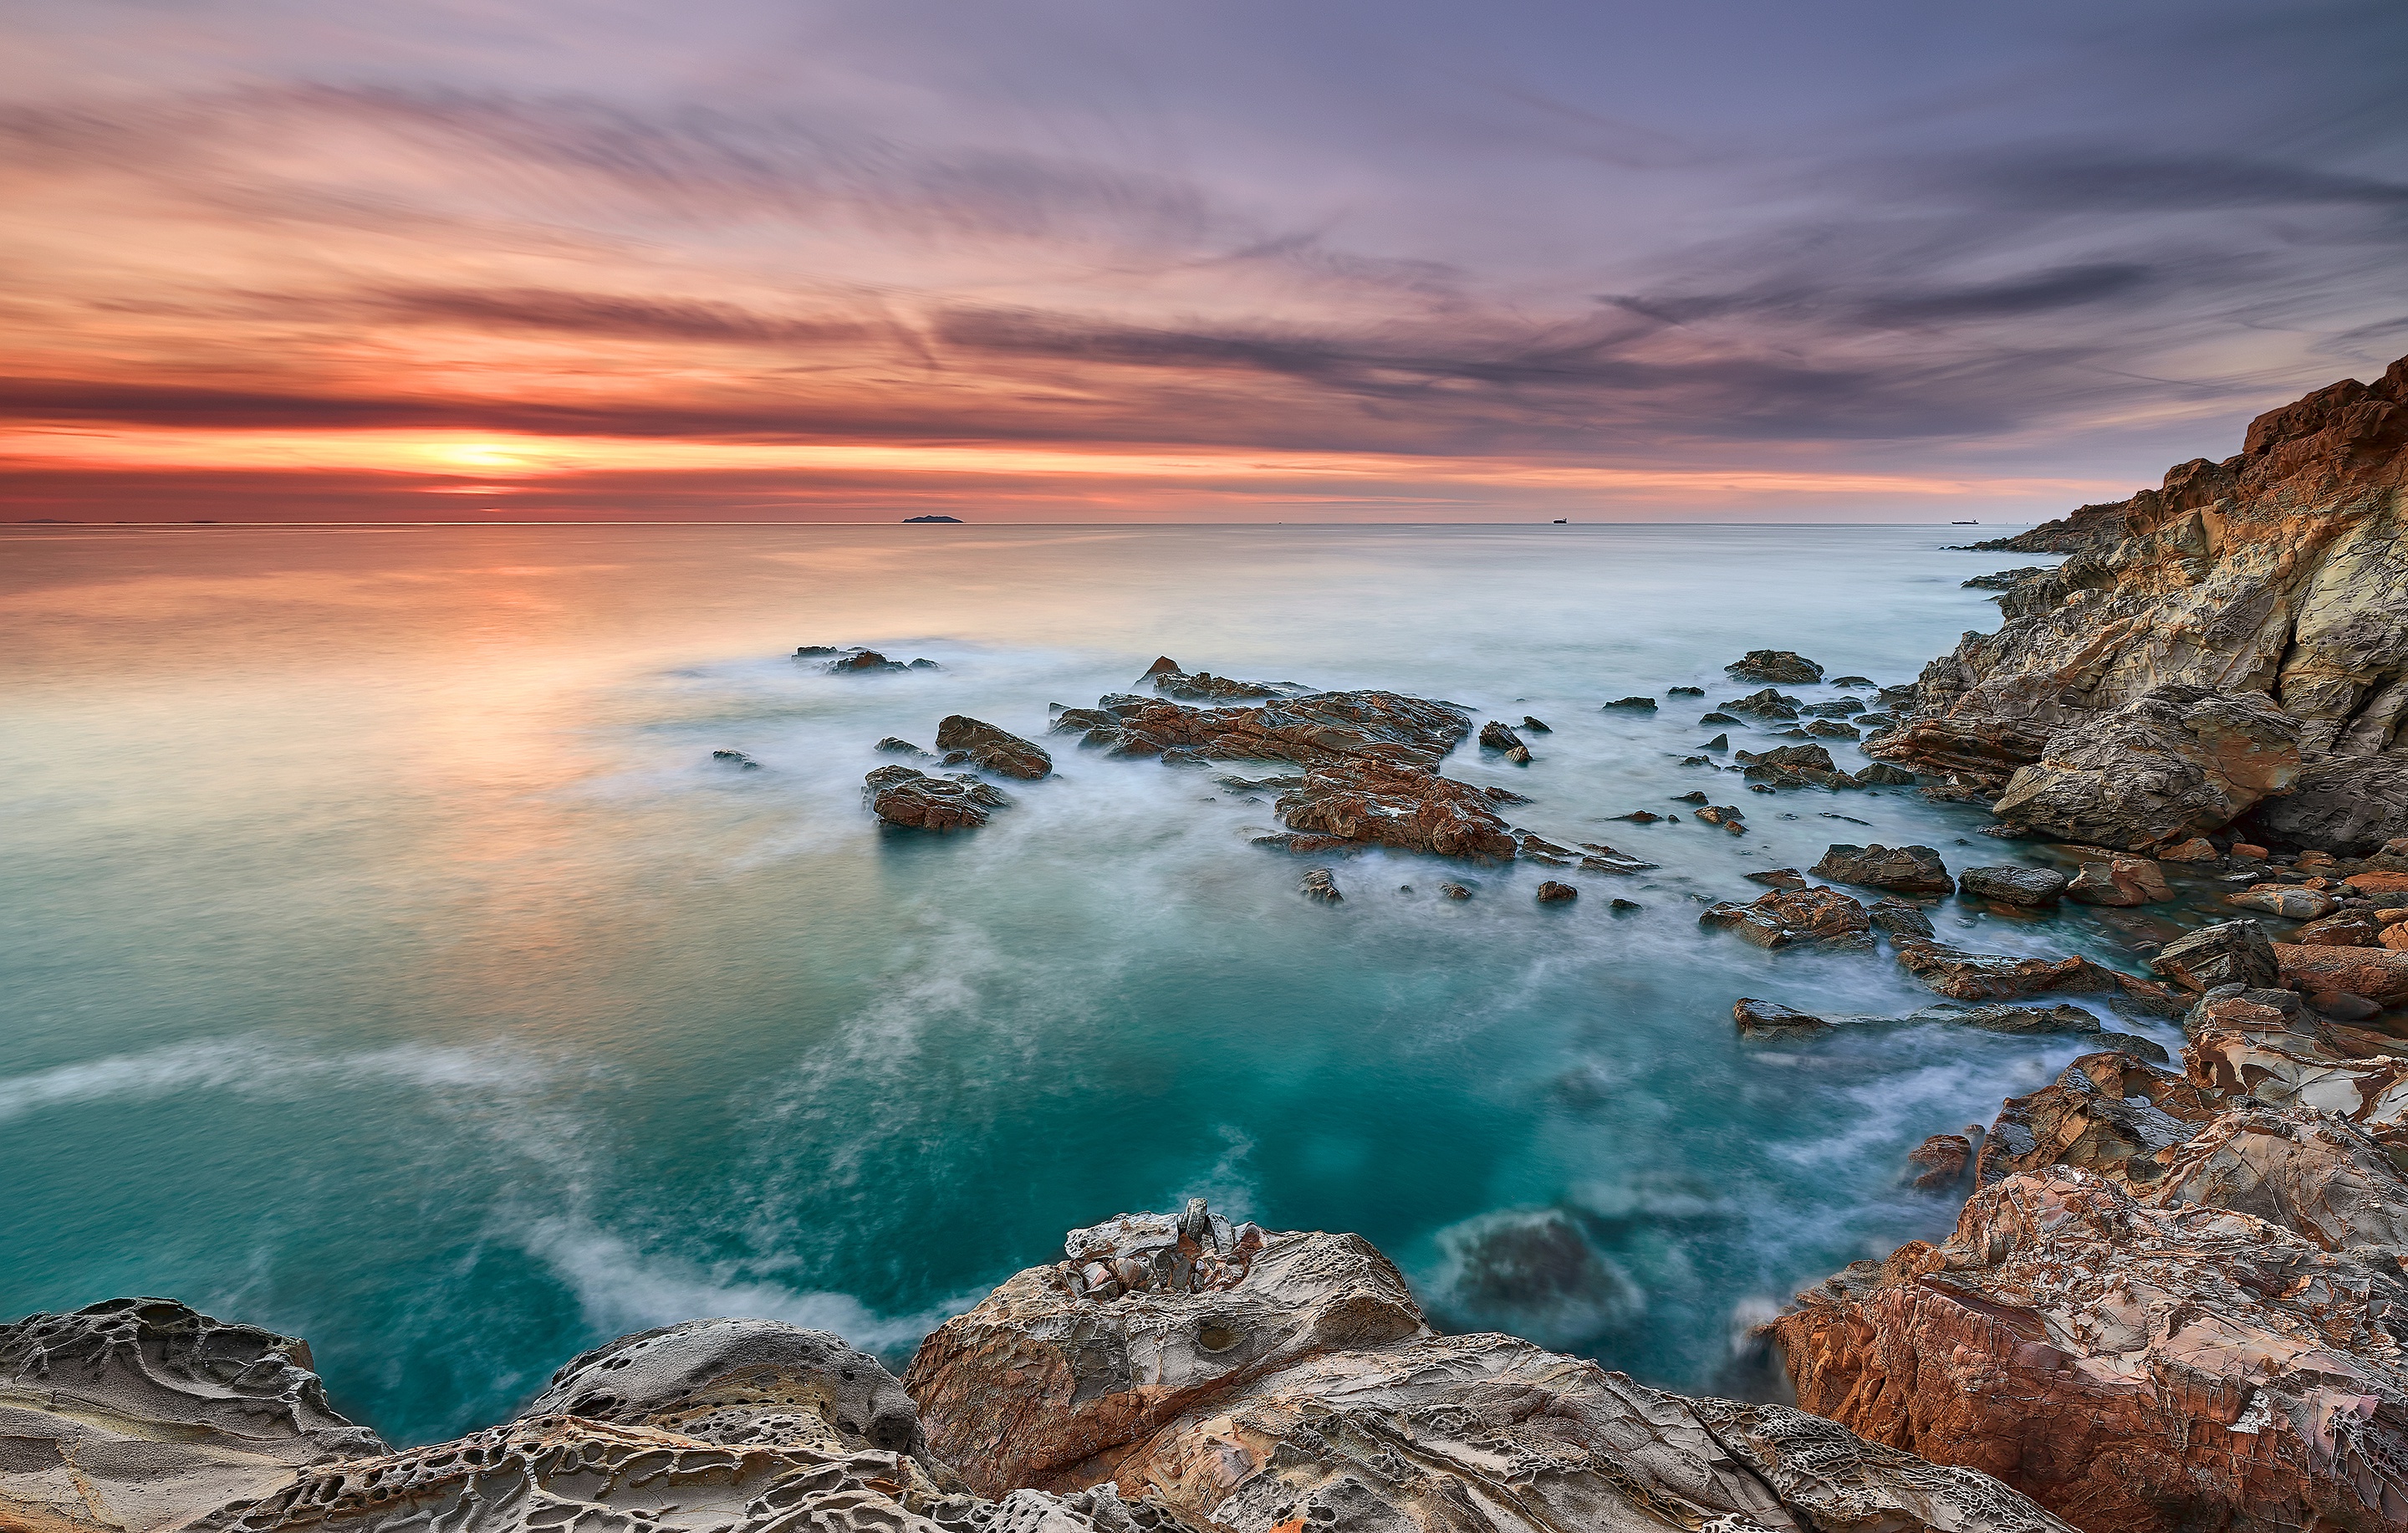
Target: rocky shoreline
point(2176, 1299)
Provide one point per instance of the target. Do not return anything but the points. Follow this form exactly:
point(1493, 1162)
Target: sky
point(801, 260)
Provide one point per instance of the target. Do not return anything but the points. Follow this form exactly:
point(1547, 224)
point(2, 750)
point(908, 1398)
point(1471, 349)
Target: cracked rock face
point(997, 750)
point(1904, 869)
point(2174, 764)
point(2131, 1367)
point(917, 800)
point(1788, 917)
point(1309, 1395)
point(1318, 728)
point(135, 1413)
point(1375, 802)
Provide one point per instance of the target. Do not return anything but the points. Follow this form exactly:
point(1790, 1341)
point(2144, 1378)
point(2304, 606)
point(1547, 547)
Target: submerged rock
point(1645, 704)
point(860, 662)
point(1552, 893)
point(737, 759)
point(1770, 1019)
point(1320, 884)
point(1938, 1163)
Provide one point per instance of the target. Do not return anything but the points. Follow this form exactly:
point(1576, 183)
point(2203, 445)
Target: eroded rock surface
point(1380, 803)
point(904, 796)
point(2169, 765)
point(1905, 869)
point(1779, 665)
point(139, 1414)
point(1310, 1395)
point(995, 750)
point(1788, 917)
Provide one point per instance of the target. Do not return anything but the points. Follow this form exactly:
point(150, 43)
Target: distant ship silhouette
point(1964, 523)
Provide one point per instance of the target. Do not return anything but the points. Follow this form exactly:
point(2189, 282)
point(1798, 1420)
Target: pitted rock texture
point(904, 796)
point(741, 1381)
point(2169, 765)
point(2280, 571)
point(563, 1472)
point(1378, 803)
point(2135, 1368)
point(139, 1414)
point(997, 750)
point(1312, 1397)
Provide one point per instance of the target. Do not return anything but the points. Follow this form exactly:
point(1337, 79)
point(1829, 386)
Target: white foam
point(260, 1066)
point(622, 1289)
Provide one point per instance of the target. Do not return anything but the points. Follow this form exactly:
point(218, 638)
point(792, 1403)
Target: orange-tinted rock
point(1938, 1163)
point(2133, 1369)
point(2379, 974)
point(1984, 976)
point(1380, 803)
point(2102, 1111)
point(1788, 917)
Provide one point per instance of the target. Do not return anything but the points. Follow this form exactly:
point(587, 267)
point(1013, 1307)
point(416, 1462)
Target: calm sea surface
point(385, 961)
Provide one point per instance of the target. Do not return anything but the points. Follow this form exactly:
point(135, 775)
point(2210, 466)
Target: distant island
point(953, 519)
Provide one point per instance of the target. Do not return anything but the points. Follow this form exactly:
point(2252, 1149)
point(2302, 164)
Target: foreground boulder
point(964, 739)
point(137, 1413)
point(1310, 1395)
point(2134, 1367)
point(2176, 762)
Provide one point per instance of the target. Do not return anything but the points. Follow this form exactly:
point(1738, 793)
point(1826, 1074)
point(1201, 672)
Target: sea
point(386, 960)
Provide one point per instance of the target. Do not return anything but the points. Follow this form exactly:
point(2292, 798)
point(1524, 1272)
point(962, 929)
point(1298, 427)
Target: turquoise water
point(386, 962)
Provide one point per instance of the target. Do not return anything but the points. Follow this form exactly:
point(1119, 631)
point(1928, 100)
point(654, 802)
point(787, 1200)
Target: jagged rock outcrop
point(904, 796)
point(853, 660)
point(1319, 729)
point(1311, 1396)
point(1778, 665)
point(1375, 802)
point(2228, 953)
point(137, 1413)
point(968, 740)
point(2135, 1367)
point(2280, 571)
point(2174, 764)
point(1991, 976)
point(1203, 686)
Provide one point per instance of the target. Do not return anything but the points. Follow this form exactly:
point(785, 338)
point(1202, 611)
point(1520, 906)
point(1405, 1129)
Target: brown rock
point(1788, 917)
point(2286, 900)
point(1785, 666)
point(1971, 753)
point(1900, 918)
point(2380, 882)
point(996, 750)
point(2348, 929)
point(1320, 884)
point(2103, 1109)
point(1980, 976)
point(1376, 802)
point(2119, 879)
point(1907, 870)
point(1324, 727)
point(902, 795)
point(1552, 893)
point(2228, 953)
point(1938, 1163)
point(1309, 1395)
point(2198, 849)
point(2379, 974)
point(1770, 1019)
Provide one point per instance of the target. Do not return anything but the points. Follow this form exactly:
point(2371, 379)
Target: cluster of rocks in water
point(1168, 1374)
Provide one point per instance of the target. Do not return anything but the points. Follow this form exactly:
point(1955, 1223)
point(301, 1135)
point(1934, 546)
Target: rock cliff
point(2277, 571)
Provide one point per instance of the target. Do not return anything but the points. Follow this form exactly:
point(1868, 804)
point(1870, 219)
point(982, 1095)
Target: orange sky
point(836, 262)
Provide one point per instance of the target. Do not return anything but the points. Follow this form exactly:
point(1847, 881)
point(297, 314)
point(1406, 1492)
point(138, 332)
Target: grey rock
point(2015, 885)
point(1780, 666)
point(740, 1382)
point(2230, 952)
point(2177, 762)
point(2348, 805)
point(1899, 917)
point(1906, 870)
point(142, 1413)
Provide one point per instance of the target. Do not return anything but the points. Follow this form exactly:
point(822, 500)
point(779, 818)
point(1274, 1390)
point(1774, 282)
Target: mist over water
point(387, 962)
